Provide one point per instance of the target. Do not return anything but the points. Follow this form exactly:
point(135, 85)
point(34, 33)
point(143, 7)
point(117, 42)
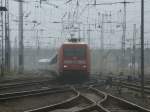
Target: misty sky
point(47, 13)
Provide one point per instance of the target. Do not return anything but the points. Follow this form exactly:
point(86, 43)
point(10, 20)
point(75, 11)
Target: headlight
point(65, 66)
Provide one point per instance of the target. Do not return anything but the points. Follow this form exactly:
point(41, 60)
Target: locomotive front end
point(75, 60)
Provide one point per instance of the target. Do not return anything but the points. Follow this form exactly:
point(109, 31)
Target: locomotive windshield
point(75, 52)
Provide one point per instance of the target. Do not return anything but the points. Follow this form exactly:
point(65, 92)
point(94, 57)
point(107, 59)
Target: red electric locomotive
point(74, 59)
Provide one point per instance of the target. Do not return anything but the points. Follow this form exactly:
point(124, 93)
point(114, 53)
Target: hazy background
point(45, 23)
point(46, 13)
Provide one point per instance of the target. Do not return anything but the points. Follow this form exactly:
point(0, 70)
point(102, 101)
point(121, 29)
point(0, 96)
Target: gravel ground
point(32, 102)
point(126, 94)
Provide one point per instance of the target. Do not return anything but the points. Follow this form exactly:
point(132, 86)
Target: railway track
point(15, 95)
point(14, 81)
point(92, 100)
point(17, 83)
point(148, 82)
point(22, 101)
point(80, 103)
point(115, 104)
point(74, 104)
point(95, 96)
point(135, 87)
point(26, 86)
point(91, 94)
point(65, 99)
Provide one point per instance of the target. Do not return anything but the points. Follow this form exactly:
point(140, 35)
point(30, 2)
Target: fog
point(47, 15)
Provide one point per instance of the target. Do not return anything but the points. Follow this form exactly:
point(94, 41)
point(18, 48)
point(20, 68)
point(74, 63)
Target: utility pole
point(133, 51)
point(2, 38)
point(79, 32)
point(102, 34)
point(37, 42)
point(2, 9)
point(83, 33)
point(124, 34)
point(7, 38)
point(99, 26)
point(88, 23)
point(102, 43)
point(142, 48)
point(89, 34)
point(15, 54)
point(21, 46)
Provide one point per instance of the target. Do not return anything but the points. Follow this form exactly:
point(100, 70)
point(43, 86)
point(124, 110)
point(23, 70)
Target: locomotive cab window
point(77, 52)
